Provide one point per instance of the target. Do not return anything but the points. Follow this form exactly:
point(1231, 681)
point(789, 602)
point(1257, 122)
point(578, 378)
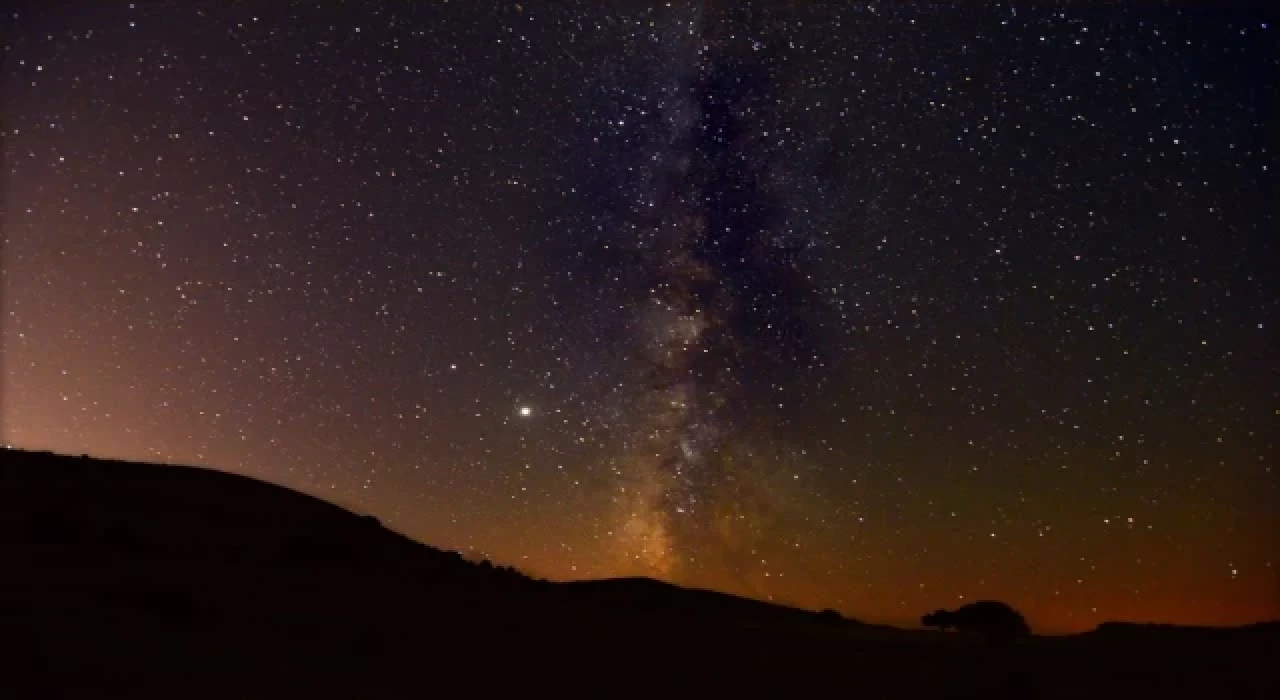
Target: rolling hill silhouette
point(144, 580)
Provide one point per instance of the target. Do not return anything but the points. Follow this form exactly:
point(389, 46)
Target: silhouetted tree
point(942, 619)
point(997, 622)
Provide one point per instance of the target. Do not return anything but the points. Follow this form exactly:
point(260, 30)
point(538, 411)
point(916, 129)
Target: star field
point(878, 307)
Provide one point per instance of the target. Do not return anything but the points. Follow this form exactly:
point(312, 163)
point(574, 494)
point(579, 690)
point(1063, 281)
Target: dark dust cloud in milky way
point(878, 306)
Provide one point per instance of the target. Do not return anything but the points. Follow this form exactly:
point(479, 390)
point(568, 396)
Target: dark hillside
point(646, 596)
point(67, 507)
point(141, 580)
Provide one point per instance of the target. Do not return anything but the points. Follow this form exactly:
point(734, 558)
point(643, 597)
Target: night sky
point(875, 307)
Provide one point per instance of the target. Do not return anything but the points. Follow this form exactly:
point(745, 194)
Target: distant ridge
point(1164, 632)
point(647, 595)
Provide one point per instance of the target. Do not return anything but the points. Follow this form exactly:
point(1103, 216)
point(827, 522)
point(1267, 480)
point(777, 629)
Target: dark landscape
point(140, 580)
point(704, 348)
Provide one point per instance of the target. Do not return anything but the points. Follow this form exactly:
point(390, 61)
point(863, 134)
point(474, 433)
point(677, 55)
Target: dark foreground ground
point(131, 580)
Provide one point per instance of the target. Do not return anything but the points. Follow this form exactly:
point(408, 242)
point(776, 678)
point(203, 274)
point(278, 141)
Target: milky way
point(880, 307)
point(725, 323)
